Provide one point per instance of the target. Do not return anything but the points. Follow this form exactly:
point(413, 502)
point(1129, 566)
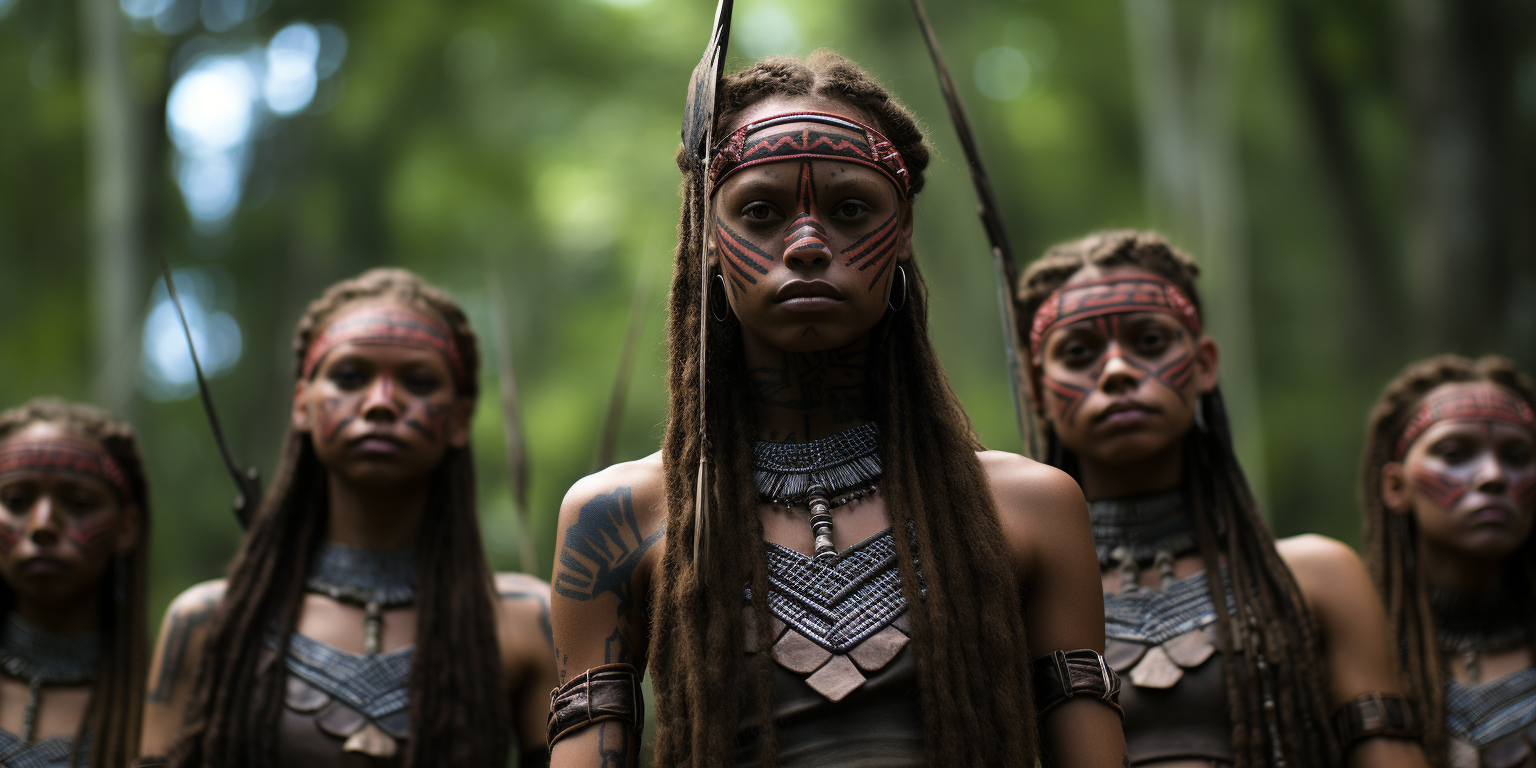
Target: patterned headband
point(875, 151)
point(387, 326)
point(1480, 402)
point(1114, 295)
point(65, 453)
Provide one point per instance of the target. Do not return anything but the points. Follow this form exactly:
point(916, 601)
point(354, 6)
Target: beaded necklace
point(372, 579)
point(44, 658)
point(1135, 532)
point(820, 475)
point(1469, 625)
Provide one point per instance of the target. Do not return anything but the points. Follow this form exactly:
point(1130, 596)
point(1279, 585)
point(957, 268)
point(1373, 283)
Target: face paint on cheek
point(1443, 489)
point(91, 537)
point(435, 421)
point(1068, 397)
point(331, 420)
point(742, 258)
point(10, 536)
point(875, 249)
point(1524, 491)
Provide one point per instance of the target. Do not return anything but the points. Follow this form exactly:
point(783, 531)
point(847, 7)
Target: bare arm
point(611, 526)
point(1357, 641)
point(1045, 521)
point(527, 659)
point(173, 668)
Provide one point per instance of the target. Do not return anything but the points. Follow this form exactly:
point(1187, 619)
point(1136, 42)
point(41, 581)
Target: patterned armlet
point(1068, 674)
point(606, 692)
point(1375, 714)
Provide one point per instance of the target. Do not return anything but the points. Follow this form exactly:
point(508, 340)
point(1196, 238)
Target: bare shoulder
point(641, 484)
point(1026, 488)
point(197, 600)
point(523, 602)
point(1316, 558)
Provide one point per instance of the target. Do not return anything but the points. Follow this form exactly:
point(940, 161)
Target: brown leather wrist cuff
point(1068, 674)
point(1375, 714)
point(156, 761)
point(607, 692)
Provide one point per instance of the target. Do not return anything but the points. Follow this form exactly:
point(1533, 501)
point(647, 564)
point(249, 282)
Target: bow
point(637, 312)
point(247, 481)
point(1002, 255)
point(698, 129)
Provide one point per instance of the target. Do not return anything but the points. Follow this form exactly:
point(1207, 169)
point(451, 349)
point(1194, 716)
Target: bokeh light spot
point(1002, 74)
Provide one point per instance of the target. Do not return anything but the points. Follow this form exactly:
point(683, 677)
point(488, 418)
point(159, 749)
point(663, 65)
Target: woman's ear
point(906, 233)
point(1207, 364)
point(299, 415)
point(1394, 487)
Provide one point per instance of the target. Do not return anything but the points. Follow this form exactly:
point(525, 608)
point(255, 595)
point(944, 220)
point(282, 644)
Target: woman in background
point(360, 624)
point(1449, 486)
point(74, 519)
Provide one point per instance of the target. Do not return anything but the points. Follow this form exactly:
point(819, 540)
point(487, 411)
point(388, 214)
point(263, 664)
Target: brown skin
point(381, 418)
point(1126, 424)
point(806, 360)
point(1471, 486)
point(58, 534)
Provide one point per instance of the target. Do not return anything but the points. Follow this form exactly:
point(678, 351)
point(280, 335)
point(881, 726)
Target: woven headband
point(65, 453)
point(875, 151)
point(1114, 295)
point(1482, 402)
point(390, 326)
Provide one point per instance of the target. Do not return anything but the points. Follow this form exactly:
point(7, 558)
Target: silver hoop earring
point(722, 310)
point(1200, 414)
point(897, 307)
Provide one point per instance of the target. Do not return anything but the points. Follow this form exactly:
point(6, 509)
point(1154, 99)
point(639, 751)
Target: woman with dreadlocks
point(845, 586)
point(1244, 669)
point(74, 519)
point(1449, 487)
point(360, 625)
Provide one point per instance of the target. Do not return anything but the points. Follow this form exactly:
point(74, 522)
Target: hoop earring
point(722, 311)
point(897, 307)
point(1200, 414)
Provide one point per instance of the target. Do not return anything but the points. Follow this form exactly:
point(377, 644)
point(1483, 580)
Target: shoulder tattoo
point(602, 550)
point(182, 624)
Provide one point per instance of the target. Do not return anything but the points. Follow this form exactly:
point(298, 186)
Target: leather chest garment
point(52, 752)
point(845, 685)
point(1493, 724)
point(343, 710)
point(1164, 644)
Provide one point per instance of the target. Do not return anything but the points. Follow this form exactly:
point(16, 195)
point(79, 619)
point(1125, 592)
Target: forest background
point(1355, 177)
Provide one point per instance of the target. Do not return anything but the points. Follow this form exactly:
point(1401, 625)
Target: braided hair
point(459, 713)
point(1270, 646)
point(972, 661)
point(1392, 539)
point(117, 694)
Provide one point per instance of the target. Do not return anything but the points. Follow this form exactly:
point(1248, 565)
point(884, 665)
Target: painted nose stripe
point(807, 235)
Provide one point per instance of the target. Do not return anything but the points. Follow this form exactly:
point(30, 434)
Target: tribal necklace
point(1135, 532)
point(1468, 625)
point(372, 579)
point(44, 658)
point(820, 475)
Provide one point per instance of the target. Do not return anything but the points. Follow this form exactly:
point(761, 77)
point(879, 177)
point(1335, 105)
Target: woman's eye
point(851, 209)
point(1452, 451)
point(758, 212)
point(16, 502)
point(1516, 454)
point(421, 385)
point(347, 378)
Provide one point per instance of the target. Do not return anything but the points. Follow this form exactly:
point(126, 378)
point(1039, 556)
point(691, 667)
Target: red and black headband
point(65, 454)
point(387, 326)
point(738, 151)
point(1113, 295)
point(1480, 401)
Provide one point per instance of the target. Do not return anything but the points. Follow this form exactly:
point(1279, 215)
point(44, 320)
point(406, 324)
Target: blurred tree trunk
point(1471, 243)
point(115, 186)
point(1186, 71)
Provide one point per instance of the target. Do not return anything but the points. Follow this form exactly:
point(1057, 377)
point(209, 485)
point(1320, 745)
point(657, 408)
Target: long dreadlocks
point(1270, 647)
point(1392, 540)
point(971, 655)
point(459, 713)
point(117, 694)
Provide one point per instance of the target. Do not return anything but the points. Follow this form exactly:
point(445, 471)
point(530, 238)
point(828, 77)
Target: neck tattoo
point(820, 475)
point(373, 579)
point(46, 658)
point(1135, 532)
point(1468, 625)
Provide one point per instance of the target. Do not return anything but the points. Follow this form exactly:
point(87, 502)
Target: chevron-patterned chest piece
point(835, 622)
point(1154, 636)
point(364, 700)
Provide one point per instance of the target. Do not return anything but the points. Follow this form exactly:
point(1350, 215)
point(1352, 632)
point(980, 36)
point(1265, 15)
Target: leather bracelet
point(1064, 675)
point(606, 692)
point(156, 761)
point(1375, 714)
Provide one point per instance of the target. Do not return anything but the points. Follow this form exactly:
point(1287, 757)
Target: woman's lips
point(43, 566)
point(808, 295)
point(378, 444)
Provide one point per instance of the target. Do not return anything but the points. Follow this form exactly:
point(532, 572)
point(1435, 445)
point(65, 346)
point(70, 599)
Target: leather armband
point(1068, 674)
point(156, 761)
point(606, 692)
point(1375, 714)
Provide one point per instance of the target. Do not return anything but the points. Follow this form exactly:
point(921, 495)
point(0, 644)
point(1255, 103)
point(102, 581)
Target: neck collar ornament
point(1469, 625)
point(373, 579)
point(737, 151)
point(786, 472)
point(44, 658)
point(387, 326)
point(1113, 295)
point(65, 454)
point(1143, 526)
point(1477, 402)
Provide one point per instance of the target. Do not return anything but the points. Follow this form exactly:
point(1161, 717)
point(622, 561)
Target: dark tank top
point(1493, 724)
point(343, 710)
point(845, 684)
point(1163, 644)
point(52, 752)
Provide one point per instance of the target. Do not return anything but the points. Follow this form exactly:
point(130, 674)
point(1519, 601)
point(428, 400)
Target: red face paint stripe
point(1482, 402)
point(1069, 397)
point(806, 234)
point(741, 254)
point(65, 453)
point(1115, 295)
point(395, 326)
point(872, 245)
point(1442, 490)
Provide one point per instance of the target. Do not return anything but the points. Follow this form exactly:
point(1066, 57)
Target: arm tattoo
point(602, 550)
point(544, 623)
point(183, 624)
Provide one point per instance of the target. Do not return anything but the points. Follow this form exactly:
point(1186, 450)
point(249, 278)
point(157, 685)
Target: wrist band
point(1375, 714)
point(606, 692)
point(1064, 675)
